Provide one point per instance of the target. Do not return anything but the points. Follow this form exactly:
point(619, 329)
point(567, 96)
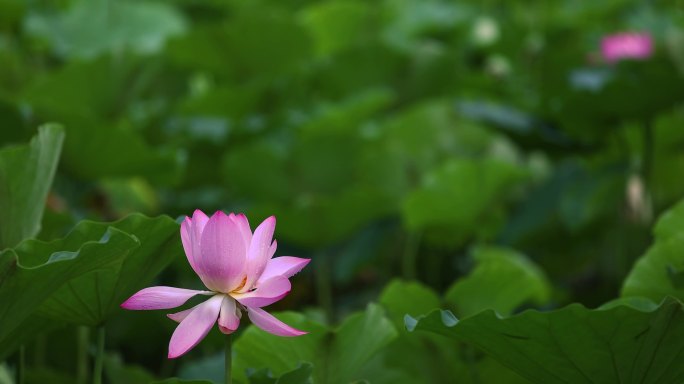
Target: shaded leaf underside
point(621, 344)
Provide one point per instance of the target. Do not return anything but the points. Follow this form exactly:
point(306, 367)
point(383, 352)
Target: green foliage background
point(458, 160)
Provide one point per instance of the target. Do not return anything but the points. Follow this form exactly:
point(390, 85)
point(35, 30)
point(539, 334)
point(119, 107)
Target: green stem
point(21, 366)
point(99, 355)
point(410, 255)
point(39, 351)
point(324, 285)
point(229, 359)
point(82, 346)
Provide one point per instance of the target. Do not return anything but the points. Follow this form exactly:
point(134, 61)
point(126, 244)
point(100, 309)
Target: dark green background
point(390, 138)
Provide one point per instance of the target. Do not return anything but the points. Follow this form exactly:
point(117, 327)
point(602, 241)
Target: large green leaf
point(268, 162)
point(91, 28)
point(583, 201)
point(337, 356)
point(11, 13)
point(442, 135)
point(345, 116)
point(28, 279)
point(409, 20)
point(91, 298)
point(94, 108)
point(671, 223)
point(412, 298)
point(620, 344)
point(26, 174)
point(430, 358)
point(81, 89)
point(502, 280)
point(336, 25)
point(299, 375)
point(400, 157)
point(616, 95)
point(236, 48)
point(357, 340)
point(96, 153)
point(417, 358)
point(660, 272)
point(462, 197)
point(257, 349)
point(325, 156)
point(321, 220)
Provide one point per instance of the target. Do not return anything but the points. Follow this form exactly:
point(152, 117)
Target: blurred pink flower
point(238, 269)
point(628, 45)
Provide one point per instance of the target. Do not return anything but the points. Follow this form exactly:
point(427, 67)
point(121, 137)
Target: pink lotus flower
point(621, 46)
point(238, 269)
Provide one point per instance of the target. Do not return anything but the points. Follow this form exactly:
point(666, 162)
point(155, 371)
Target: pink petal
point(272, 249)
point(187, 240)
point(191, 234)
point(626, 46)
point(245, 230)
point(222, 263)
point(285, 266)
point(266, 293)
point(179, 316)
point(194, 326)
point(229, 318)
point(270, 324)
point(199, 222)
point(258, 254)
point(160, 298)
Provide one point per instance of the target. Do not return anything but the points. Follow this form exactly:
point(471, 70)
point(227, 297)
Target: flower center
point(242, 285)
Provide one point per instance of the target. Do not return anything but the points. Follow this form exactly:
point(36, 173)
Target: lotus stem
point(229, 359)
point(82, 346)
point(99, 355)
